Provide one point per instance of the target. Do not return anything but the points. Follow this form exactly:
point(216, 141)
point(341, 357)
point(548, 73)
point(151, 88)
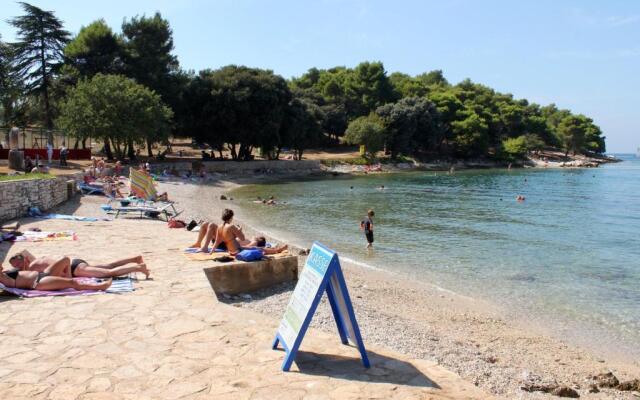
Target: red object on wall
point(80, 154)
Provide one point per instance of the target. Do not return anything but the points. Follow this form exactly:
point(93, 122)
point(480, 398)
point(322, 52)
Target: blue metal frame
point(326, 286)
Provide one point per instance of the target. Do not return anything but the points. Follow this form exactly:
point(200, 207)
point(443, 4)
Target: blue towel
point(121, 286)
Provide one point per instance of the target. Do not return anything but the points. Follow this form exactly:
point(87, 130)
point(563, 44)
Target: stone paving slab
point(171, 339)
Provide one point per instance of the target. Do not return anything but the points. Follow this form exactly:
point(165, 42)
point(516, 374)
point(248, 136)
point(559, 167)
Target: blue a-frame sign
point(322, 272)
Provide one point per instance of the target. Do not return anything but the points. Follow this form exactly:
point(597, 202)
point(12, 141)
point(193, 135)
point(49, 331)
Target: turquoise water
point(568, 256)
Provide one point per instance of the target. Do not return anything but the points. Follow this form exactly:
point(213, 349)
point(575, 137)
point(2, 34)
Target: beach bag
point(176, 223)
point(249, 255)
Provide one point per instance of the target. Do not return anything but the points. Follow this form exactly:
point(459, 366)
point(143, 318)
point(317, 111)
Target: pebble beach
point(468, 336)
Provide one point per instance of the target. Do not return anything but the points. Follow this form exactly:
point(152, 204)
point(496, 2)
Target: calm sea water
point(568, 256)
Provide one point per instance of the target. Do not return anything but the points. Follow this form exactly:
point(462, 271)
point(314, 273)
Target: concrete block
point(243, 277)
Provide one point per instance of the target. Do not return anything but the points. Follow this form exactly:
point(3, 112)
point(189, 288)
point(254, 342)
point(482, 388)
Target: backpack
point(249, 255)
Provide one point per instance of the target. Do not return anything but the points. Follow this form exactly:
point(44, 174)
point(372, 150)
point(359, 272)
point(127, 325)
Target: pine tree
point(38, 53)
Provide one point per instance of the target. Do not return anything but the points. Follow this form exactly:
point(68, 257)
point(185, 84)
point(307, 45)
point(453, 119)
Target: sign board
point(322, 273)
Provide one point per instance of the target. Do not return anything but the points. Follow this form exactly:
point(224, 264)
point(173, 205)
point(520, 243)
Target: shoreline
point(469, 336)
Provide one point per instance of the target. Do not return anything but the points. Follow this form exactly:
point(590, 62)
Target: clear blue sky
point(581, 55)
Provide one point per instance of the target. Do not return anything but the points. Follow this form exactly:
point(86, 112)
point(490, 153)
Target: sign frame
point(334, 284)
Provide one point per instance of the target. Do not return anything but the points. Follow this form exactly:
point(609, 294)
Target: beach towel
point(196, 255)
point(117, 286)
point(36, 213)
point(142, 185)
point(31, 236)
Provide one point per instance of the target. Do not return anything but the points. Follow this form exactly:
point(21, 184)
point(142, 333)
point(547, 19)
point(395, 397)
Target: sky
point(581, 55)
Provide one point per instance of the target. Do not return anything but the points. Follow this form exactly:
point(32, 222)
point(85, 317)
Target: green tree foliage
point(148, 58)
point(9, 87)
point(116, 110)
point(577, 133)
point(469, 134)
point(367, 88)
point(301, 126)
point(244, 108)
point(368, 131)
point(411, 123)
point(96, 49)
point(38, 53)
point(515, 148)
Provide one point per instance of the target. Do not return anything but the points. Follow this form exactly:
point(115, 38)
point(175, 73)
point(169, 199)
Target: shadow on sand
point(383, 369)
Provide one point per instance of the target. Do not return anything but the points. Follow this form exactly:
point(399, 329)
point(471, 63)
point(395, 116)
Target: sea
point(566, 259)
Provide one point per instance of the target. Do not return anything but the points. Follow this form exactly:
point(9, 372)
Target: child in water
point(367, 226)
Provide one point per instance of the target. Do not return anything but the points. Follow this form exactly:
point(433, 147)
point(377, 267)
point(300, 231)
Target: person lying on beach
point(79, 268)
point(233, 237)
point(49, 279)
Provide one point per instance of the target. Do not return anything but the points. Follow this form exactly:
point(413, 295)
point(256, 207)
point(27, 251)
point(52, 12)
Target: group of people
point(229, 237)
point(31, 166)
point(48, 273)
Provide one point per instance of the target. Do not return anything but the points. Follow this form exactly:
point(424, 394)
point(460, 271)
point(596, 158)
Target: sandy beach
point(468, 336)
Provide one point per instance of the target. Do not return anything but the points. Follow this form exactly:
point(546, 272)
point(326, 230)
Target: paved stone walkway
point(171, 339)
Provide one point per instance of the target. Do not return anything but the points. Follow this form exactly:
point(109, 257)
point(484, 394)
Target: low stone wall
point(17, 196)
point(244, 277)
point(245, 167)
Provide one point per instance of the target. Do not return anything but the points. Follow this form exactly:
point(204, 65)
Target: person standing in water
point(367, 226)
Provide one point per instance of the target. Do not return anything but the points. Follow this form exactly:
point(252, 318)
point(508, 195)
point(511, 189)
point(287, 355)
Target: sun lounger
point(168, 210)
point(91, 189)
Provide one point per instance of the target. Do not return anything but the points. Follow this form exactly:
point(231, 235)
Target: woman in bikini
point(80, 268)
point(49, 279)
point(233, 237)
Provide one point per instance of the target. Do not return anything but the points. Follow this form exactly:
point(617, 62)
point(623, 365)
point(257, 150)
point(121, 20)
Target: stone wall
point(245, 167)
point(17, 196)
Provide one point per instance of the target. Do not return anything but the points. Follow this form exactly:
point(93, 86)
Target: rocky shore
point(543, 159)
point(508, 358)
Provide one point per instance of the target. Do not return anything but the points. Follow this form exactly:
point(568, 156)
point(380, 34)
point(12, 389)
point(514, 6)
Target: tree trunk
point(300, 151)
point(149, 149)
point(107, 149)
point(84, 143)
point(131, 150)
point(232, 149)
point(45, 84)
point(76, 144)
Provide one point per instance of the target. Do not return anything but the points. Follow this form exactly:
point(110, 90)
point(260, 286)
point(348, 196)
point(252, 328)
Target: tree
point(38, 52)
point(572, 130)
point(148, 58)
point(469, 134)
point(411, 125)
point(300, 127)
point(95, 50)
point(117, 110)
point(515, 148)
point(368, 131)
point(367, 88)
point(242, 107)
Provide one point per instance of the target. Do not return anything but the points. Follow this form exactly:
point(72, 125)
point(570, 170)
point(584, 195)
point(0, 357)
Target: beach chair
point(168, 210)
point(142, 185)
point(88, 189)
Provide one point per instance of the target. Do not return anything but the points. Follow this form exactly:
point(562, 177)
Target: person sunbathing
point(233, 237)
point(79, 268)
point(207, 233)
point(49, 279)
